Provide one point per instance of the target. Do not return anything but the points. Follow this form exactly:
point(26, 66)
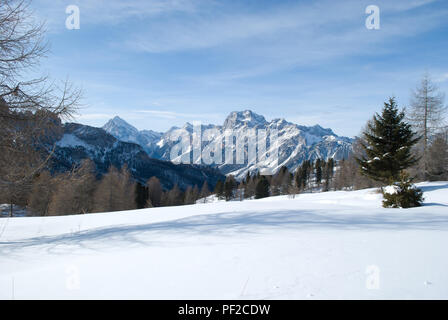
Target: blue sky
point(159, 63)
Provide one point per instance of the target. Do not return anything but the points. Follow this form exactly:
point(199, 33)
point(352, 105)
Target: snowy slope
point(316, 246)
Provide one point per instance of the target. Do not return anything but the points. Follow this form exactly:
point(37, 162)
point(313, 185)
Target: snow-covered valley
point(331, 245)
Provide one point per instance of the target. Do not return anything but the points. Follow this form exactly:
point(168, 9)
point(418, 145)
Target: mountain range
point(76, 142)
point(296, 143)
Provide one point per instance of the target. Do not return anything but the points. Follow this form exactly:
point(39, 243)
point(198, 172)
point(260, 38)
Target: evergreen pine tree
point(205, 192)
point(284, 178)
point(318, 167)
point(326, 176)
point(402, 194)
point(141, 192)
point(388, 143)
point(262, 188)
point(249, 190)
point(229, 185)
point(247, 179)
point(298, 178)
point(330, 165)
point(219, 189)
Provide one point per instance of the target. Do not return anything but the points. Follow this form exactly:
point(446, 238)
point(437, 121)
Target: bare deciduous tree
point(205, 192)
point(155, 192)
point(74, 191)
point(426, 114)
point(28, 108)
point(42, 193)
point(174, 197)
point(115, 192)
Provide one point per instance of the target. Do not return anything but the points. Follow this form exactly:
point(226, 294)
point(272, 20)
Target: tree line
point(310, 176)
point(79, 191)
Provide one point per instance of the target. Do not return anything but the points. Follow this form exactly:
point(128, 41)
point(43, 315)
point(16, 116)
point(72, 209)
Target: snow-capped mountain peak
point(119, 123)
point(244, 118)
point(123, 131)
point(317, 130)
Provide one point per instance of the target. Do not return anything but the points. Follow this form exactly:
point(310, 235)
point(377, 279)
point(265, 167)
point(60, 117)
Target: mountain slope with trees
point(79, 142)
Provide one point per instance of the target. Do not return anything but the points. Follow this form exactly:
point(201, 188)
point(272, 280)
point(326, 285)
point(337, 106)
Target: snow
point(330, 138)
point(70, 140)
point(391, 189)
point(160, 143)
point(331, 245)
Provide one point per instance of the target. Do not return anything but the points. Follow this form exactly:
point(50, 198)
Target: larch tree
point(426, 114)
point(205, 192)
point(155, 192)
point(174, 197)
point(115, 192)
point(41, 193)
point(190, 195)
point(74, 191)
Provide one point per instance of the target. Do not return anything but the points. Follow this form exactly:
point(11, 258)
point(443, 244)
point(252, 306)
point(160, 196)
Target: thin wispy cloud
point(109, 12)
point(186, 60)
point(289, 36)
point(299, 24)
point(179, 115)
point(93, 116)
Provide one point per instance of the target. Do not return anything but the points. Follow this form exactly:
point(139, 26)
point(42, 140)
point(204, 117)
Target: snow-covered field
point(332, 245)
